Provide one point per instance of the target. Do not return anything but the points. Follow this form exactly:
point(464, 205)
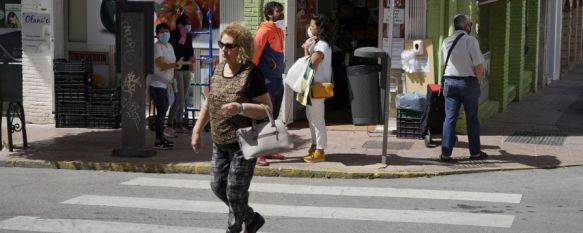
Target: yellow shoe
point(310, 152)
point(317, 156)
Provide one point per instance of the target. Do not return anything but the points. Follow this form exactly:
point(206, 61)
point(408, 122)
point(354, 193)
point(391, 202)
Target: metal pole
point(386, 64)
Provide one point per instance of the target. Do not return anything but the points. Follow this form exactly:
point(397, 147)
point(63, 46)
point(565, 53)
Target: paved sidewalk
point(555, 112)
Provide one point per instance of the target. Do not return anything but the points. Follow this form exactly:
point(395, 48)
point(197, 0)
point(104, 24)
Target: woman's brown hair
point(243, 38)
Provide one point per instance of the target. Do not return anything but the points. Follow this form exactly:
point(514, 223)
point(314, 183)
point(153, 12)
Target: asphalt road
point(46, 200)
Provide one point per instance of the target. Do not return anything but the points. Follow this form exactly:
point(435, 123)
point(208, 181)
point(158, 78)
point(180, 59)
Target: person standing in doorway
point(462, 76)
point(181, 41)
point(317, 46)
point(269, 58)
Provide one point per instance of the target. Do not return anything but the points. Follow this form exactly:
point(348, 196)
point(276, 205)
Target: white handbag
point(264, 138)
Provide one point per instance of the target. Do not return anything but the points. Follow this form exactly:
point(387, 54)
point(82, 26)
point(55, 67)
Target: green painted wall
point(253, 12)
point(436, 28)
point(530, 64)
point(499, 40)
point(484, 33)
point(517, 42)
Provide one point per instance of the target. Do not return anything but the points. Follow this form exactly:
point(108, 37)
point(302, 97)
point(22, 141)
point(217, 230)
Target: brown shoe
point(481, 155)
point(445, 158)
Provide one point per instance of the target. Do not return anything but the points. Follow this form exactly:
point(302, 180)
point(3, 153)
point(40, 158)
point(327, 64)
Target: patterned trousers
point(231, 177)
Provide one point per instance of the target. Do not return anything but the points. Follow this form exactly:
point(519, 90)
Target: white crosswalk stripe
point(334, 213)
point(339, 191)
point(36, 224)
point(385, 215)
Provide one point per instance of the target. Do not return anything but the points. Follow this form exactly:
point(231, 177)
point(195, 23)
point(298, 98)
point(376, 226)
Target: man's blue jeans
point(461, 91)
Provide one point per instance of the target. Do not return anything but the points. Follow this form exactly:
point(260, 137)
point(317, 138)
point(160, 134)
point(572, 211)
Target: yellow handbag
point(322, 90)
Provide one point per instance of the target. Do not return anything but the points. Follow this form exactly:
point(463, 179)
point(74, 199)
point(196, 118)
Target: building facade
point(530, 42)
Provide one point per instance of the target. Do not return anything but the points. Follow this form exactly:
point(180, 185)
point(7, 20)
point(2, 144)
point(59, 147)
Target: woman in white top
point(318, 48)
point(165, 62)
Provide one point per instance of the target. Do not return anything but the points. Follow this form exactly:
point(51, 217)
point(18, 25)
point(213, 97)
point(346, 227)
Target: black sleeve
point(256, 83)
point(188, 51)
point(174, 35)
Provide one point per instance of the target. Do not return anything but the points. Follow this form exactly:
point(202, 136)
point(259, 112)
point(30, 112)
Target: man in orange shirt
point(269, 58)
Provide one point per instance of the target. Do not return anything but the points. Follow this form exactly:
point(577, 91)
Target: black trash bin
point(364, 93)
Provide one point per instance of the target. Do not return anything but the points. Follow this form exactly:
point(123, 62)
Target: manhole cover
point(390, 145)
point(539, 138)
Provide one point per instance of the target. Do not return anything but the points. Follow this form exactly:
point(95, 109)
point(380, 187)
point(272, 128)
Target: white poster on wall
point(36, 32)
point(398, 16)
point(398, 46)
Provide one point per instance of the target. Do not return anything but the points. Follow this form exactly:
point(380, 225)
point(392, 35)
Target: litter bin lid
point(370, 52)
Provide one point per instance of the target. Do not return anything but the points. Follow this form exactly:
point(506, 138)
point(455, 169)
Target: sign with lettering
point(94, 57)
point(36, 32)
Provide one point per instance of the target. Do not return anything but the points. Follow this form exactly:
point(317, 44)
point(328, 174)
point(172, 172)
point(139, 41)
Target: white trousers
point(315, 115)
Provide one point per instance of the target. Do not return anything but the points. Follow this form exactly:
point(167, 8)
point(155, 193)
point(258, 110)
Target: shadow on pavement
point(541, 161)
point(97, 146)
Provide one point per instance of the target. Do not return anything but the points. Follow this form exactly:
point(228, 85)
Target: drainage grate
point(390, 146)
point(539, 138)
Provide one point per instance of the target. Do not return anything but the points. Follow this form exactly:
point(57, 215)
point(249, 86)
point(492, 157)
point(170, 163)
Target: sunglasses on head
point(226, 45)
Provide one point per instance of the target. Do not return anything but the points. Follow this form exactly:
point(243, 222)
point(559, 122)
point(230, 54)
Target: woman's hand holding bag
point(264, 138)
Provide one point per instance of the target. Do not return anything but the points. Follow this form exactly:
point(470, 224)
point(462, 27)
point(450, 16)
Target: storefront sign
point(36, 32)
point(94, 57)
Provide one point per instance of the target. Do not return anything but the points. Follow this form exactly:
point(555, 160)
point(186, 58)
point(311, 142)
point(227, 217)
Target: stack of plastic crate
point(409, 124)
point(103, 108)
point(72, 80)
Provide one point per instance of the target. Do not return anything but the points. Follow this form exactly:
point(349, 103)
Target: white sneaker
point(169, 133)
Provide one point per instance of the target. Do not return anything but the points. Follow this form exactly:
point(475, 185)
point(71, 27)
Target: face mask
point(310, 33)
point(280, 24)
point(188, 27)
point(164, 37)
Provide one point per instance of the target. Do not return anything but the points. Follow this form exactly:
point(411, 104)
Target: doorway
point(354, 23)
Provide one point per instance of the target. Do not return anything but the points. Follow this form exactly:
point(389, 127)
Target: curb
point(204, 169)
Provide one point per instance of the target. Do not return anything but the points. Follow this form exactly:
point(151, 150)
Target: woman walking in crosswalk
point(237, 95)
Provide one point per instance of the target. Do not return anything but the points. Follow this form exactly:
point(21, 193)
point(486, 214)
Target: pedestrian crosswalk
point(286, 211)
point(338, 191)
point(36, 224)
